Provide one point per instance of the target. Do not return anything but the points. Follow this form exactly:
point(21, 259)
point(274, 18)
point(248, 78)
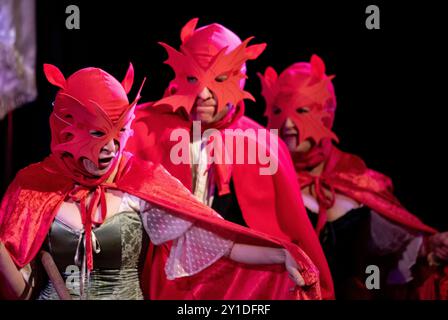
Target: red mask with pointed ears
point(90, 100)
point(303, 93)
point(210, 57)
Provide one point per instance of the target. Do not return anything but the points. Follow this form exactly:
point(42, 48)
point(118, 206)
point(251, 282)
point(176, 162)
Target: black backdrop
point(389, 98)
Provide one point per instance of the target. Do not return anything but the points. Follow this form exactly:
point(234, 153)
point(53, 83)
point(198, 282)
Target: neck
point(317, 170)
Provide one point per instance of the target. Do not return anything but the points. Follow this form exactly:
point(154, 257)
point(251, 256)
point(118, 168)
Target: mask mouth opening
point(97, 171)
point(294, 133)
point(105, 162)
point(289, 131)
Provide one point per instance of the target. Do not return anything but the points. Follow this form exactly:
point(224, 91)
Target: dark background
point(390, 98)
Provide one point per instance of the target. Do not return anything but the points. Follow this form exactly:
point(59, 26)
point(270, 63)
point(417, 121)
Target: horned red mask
point(91, 108)
point(303, 93)
point(211, 57)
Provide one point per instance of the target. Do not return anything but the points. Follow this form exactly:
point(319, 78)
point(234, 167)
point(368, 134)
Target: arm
point(13, 285)
point(205, 247)
point(249, 254)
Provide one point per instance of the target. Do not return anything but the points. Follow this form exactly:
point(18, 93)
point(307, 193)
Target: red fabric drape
point(32, 200)
point(271, 204)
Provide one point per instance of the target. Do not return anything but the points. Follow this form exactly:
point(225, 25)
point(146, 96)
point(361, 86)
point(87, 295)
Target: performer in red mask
point(354, 211)
point(93, 206)
point(207, 91)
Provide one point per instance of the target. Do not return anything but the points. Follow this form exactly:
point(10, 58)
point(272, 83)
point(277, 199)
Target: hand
point(250, 254)
point(438, 245)
point(293, 269)
point(12, 284)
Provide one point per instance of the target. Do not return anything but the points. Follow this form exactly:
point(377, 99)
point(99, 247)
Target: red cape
point(30, 205)
point(271, 204)
point(349, 175)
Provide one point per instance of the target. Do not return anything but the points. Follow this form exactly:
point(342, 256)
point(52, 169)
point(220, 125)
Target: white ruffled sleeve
point(193, 249)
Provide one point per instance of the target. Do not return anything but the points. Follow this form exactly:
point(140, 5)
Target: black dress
point(362, 238)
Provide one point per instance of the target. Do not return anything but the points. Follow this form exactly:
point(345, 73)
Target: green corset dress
point(121, 244)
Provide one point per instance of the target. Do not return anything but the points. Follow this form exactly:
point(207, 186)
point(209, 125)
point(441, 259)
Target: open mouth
point(290, 133)
point(104, 162)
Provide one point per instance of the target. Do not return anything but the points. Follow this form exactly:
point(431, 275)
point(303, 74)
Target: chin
point(101, 172)
point(98, 172)
point(204, 119)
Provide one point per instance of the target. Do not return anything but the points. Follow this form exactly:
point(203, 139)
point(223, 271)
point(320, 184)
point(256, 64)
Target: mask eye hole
point(192, 79)
point(97, 133)
point(303, 110)
point(67, 137)
point(221, 78)
point(276, 110)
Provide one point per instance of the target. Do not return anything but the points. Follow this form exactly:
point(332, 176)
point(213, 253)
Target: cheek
point(221, 114)
point(121, 142)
